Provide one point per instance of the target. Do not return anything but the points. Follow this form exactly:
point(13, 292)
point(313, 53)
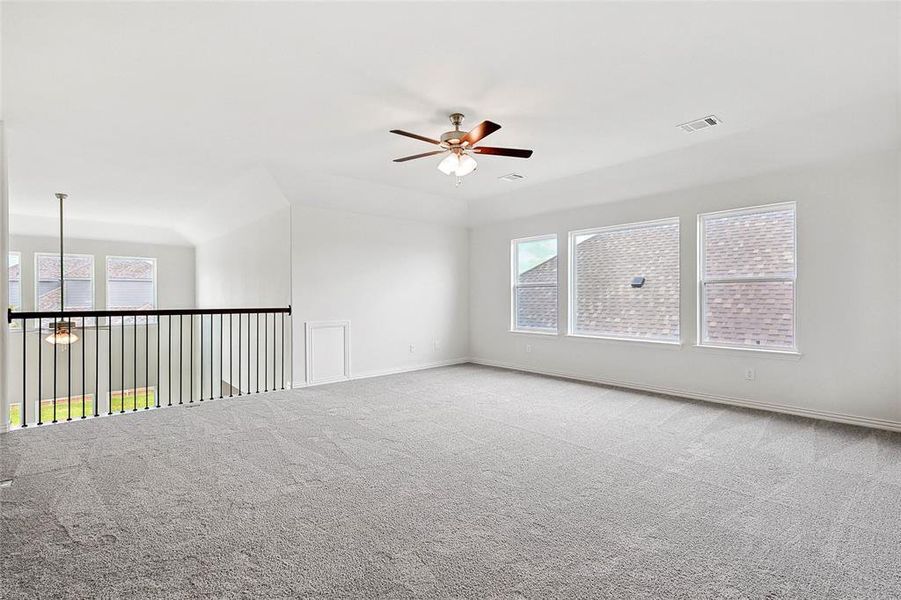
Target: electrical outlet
point(750, 374)
point(528, 348)
point(437, 345)
point(412, 348)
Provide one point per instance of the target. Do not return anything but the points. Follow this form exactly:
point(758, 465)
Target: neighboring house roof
point(77, 267)
point(15, 271)
point(607, 304)
point(130, 268)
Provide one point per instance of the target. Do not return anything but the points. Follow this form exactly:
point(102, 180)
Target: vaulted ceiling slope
point(192, 116)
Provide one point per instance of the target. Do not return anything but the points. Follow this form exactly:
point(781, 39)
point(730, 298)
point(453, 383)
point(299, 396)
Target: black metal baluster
point(220, 357)
point(157, 387)
point(55, 346)
point(169, 362)
point(134, 375)
point(40, 374)
point(240, 362)
point(25, 370)
point(283, 350)
point(231, 365)
point(84, 344)
point(266, 351)
point(146, 362)
point(122, 387)
point(96, 366)
point(201, 355)
point(291, 345)
point(181, 357)
point(109, 400)
point(69, 376)
point(274, 352)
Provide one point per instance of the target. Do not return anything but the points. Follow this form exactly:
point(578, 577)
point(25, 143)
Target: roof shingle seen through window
point(758, 244)
point(605, 301)
point(77, 267)
point(134, 269)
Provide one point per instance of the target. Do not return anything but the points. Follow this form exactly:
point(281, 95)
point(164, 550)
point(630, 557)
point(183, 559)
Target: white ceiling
point(197, 117)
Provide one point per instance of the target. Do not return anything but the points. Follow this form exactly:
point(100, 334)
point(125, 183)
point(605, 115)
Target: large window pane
point(609, 301)
point(537, 261)
point(535, 284)
point(748, 278)
point(759, 244)
point(79, 282)
point(130, 285)
point(753, 314)
point(536, 307)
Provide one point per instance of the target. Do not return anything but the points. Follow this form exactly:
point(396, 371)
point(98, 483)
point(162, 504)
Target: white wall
point(848, 290)
point(4, 284)
point(248, 267)
point(398, 282)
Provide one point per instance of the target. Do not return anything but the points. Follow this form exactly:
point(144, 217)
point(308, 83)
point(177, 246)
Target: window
point(15, 280)
point(14, 274)
point(747, 278)
point(130, 284)
point(625, 281)
point(79, 271)
point(535, 284)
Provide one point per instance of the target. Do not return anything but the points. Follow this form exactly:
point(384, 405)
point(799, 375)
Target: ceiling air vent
point(512, 177)
point(700, 124)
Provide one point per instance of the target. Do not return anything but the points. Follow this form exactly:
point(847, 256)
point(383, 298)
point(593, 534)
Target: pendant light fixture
point(63, 331)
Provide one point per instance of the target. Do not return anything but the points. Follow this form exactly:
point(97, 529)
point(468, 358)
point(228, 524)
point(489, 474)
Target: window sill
point(534, 332)
point(763, 352)
point(585, 336)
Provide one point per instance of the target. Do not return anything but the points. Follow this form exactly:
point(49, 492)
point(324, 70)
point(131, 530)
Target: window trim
point(701, 281)
point(107, 277)
point(92, 278)
point(514, 264)
point(571, 276)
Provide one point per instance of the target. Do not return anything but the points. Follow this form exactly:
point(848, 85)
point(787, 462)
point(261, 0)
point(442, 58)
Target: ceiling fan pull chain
point(459, 181)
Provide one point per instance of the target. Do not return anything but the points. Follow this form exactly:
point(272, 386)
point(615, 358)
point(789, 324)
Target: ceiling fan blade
point(514, 152)
point(483, 129)
point(423, 155)
point(415, 137)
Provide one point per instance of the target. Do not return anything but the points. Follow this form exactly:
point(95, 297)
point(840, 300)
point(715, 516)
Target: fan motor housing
point(451, 139)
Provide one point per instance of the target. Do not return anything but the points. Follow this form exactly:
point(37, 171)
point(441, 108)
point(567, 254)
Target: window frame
point(38, 280)
point(702, 281)
point(572, 280)
point(107, 277)
point(514, 285)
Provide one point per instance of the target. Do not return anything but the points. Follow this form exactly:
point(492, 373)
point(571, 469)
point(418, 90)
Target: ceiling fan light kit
point(460, 146)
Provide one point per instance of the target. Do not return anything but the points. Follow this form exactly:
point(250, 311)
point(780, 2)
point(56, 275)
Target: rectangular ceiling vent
point(512, 177)
point(700, 124)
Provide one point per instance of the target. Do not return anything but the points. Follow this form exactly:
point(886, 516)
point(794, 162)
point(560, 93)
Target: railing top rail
point(154, 312)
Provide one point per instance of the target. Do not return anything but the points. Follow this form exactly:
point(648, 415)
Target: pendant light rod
point(62, 269)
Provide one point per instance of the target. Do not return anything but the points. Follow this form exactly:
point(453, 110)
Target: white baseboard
point(394, 371)
point(719, 399)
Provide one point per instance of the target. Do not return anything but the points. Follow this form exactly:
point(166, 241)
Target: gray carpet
point(460, 482)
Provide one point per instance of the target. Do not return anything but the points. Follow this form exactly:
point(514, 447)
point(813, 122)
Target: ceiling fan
point(460, 146)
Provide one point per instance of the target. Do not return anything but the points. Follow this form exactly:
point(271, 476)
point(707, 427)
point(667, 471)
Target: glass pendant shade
point(467, 165)
point(62, 334)
point(457, 164)
point(449, 165)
